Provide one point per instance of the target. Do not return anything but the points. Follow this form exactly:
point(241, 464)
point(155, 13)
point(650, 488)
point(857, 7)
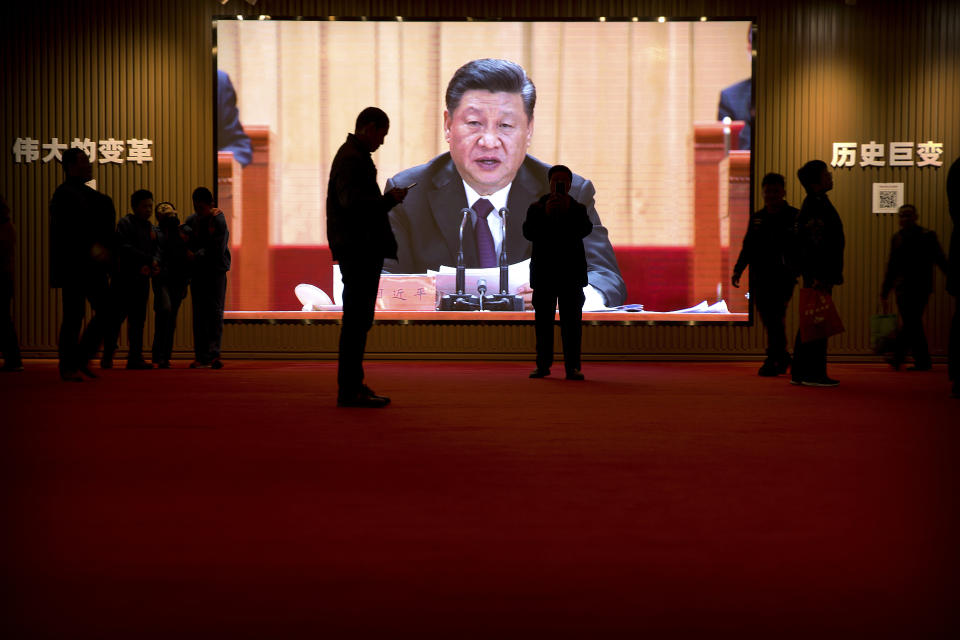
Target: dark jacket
point(137, 246)
point(82, 233)
point(953, 198)
point(208, 239)
point(820, 241)
point(174, 268)
point(357, 220)
point(558, 258)
point(230, 134)
point(913, 253)
point(770, 248)
point(735, 103)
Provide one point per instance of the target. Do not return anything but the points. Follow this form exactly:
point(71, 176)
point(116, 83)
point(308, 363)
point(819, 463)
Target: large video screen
point(653, 118)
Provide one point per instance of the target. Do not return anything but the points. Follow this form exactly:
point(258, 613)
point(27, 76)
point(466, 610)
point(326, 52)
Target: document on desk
point(517, 274)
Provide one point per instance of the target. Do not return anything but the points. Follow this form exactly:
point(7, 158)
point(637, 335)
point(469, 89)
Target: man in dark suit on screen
point(488, 124)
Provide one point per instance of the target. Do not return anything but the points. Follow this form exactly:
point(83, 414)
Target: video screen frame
point(744, 318)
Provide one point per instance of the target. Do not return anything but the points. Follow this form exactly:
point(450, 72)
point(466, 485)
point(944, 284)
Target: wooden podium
point(721, 212)
point(244, 198)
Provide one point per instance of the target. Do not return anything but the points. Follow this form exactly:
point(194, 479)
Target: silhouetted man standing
point(913, 253)
point(769, 249)
point(953, 275)
point(556, 225)
point(137, 259)
point(209, 250)
point(170, 284)
point(360, 237)
point(81, 242)
point(820, 243)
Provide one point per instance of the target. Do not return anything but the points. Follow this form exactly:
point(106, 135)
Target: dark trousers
point(770, 303)
point(361, 280)
point(128, 296)
point(209, 292)
point(9, 344)
point(953, 351)
point(911, 336)
point(545, 301)
point(75, 350)
point(167, 298)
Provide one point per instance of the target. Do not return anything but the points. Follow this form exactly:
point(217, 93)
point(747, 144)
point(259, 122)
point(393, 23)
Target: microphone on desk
point(461, 269)
point(504, 270)
point(481, 286)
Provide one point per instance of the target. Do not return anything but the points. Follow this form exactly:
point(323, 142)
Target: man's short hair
point(70, 157)
point(139, 196)
point(774, 179)
point(372, 114)
point(559, 168)
point(494, 75)
point(811, 173)
point(202, 195)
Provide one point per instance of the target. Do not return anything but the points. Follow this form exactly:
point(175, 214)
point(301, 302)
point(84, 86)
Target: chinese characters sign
point(895, 154)
point(27, 150)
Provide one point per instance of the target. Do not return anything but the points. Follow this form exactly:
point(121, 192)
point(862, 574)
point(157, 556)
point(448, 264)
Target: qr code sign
point(887, 197)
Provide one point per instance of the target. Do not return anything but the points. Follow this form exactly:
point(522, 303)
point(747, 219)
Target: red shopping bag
point(818, 315)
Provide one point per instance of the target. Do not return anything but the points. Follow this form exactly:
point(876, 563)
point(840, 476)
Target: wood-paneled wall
point(826, 71)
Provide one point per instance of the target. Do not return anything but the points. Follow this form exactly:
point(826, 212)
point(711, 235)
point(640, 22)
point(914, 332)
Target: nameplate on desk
point(400, 292)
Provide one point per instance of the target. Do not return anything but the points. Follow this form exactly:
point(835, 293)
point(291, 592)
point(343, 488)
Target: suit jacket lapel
point(525, 190)
point(446, 199)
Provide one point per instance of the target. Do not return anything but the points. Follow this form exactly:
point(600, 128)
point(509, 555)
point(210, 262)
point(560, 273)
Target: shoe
point(769, 370)
point(367, 392)
point(11, 368)
point(216, 364)
point(574, 374)
point(85, 370)
point(796, 381)
point(783, 365)
point(106, 362)
point(920, 367)
point(71, 376)
point(539, 373)
point(139, 365)
point(894, 363)
point(362, 400)
point(821, 381)
point(196, 364)
point(163, 364)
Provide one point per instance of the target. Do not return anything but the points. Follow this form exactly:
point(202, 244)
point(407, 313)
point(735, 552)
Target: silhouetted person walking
point(137, 259)
point(170, 283)
point(769, 249)
point(9, 344)
point(820, 244)
point(556, 225)
point(914, 251)
point(82, 223)
point(209, 253)
point(360, 237)
point(953, 275)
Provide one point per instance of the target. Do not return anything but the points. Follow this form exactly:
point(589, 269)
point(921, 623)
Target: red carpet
point(654, 499)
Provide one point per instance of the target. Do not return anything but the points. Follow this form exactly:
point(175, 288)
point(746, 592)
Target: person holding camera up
point(556, 225)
